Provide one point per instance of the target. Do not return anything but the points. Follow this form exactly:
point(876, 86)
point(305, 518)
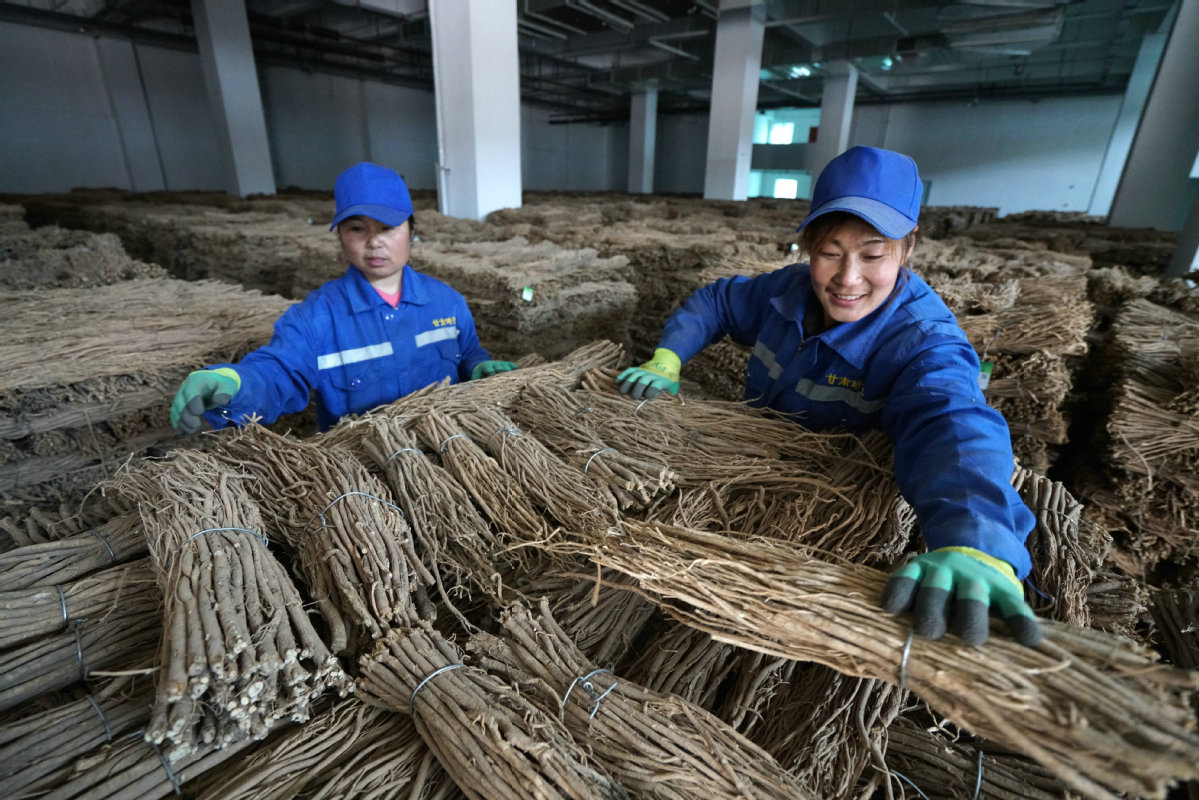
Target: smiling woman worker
point(855, 340)
point(380, 331)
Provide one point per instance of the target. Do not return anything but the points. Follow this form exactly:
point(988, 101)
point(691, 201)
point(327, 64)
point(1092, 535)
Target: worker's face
point(379, 251)
point(854, 271)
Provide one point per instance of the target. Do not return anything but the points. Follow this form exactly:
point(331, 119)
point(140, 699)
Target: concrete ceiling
point(584, 58)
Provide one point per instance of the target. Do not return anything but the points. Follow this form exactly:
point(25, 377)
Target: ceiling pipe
point(683, 34)
point(540, 31)
point(547, 20)
point(615, 20)
point(641, 10)
point(654, 41)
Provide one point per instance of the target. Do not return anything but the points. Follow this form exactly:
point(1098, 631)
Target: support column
point(735, 75)
point(1135, 96)
point(1156, 190)
point(227, 61)
point(836, 115)
point(643, 136)
point(476, 80)
point(1186, 252)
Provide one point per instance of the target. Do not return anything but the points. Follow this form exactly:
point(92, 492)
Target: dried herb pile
point(78, 400)
point(706, 618)
point(754, 593)
point(1152, 432)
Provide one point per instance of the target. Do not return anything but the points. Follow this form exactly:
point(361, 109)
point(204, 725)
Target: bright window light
point(786, 188)
point(782, 132)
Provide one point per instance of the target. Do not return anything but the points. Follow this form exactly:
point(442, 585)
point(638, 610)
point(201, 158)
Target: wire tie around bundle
point(643, 402)
point(401, 450)
point(987, 344)
point(448, 438)
point(324, 524)
point(260, 537)
point(100, 714)
point(583, 410)
point(585, 682)
point(77, 626)
point(596, 453)
point(508, 431)
point(62, 599)
point(908, 781)
point(903, 663)
point(166, 766)
point(429, 677)
point(104, 541)
point(978, 784)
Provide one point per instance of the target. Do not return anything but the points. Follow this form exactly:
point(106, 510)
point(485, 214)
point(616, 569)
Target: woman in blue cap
point(855, 340)
point(380, 331)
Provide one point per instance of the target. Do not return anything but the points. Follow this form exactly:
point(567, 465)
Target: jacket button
point(389, 316)
point(356, 383)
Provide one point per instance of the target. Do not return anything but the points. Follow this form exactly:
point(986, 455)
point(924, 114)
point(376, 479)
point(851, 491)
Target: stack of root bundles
point(697, 567)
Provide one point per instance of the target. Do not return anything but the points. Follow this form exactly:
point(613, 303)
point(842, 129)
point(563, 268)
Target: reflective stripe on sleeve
point(436, 335)
point(822, 393)
point(353, 356)
point(764, 354)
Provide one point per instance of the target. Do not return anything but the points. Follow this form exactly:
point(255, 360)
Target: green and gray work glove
point(485, 369)
point(202, 391)
point(659, 374)
point(973, 582)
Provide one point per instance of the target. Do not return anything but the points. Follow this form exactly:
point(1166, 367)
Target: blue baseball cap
point(369, 190)
point(880, 186)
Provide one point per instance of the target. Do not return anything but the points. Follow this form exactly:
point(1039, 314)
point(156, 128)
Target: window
point(786, 188)
point(782, 133)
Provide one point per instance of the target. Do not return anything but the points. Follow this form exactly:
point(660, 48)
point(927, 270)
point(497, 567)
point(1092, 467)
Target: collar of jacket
point(852, 341)
point(363, 297)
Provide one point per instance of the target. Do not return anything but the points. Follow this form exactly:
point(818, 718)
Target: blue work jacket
point(357, 352)
point(906, 368)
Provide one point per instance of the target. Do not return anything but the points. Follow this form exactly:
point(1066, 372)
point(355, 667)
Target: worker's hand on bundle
point(202, 391)
point(659, 374)
point(960, 584)
point(485, 369)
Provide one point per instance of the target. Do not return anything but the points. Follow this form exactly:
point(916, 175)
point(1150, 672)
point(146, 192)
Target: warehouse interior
point(529, 585)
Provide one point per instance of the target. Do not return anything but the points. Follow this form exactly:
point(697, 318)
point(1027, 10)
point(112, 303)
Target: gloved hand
point(660, 373)
point(486, 369)
point(974, 582)
point(202, 391)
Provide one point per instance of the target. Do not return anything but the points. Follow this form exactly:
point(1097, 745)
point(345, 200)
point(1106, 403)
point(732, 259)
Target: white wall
point(580, 157)
point(184, 129)
point(319, 124)
point(1017, 155)
point(59, 129)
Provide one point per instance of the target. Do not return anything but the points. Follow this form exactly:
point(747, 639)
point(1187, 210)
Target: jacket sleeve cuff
point(467, 367)
point(242, 407)
point(1000, 545)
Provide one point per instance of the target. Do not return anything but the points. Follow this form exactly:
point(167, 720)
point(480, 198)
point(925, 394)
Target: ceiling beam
point(610, 41)
point(802, 12)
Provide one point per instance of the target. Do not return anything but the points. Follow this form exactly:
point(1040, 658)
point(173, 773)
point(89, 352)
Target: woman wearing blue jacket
point(855, 340)
point(380, 331)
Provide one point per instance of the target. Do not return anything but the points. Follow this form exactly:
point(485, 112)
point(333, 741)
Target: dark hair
point(812, 237)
